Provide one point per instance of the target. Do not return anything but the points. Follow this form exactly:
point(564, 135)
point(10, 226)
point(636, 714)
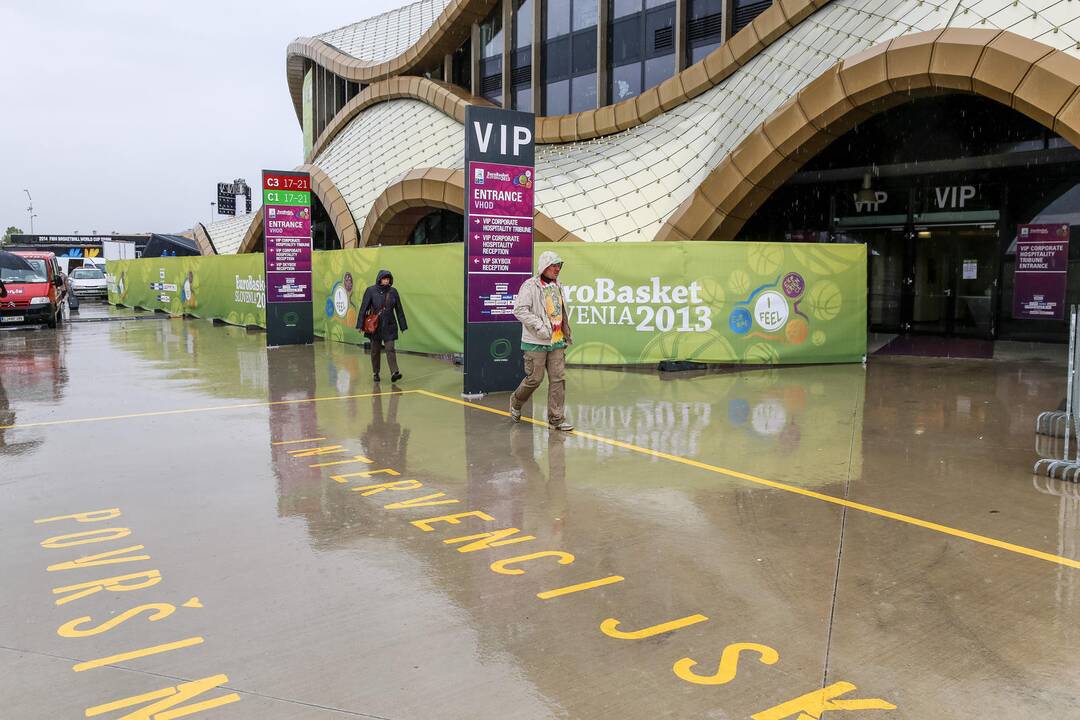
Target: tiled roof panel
point(388, 35)
point(227, 234)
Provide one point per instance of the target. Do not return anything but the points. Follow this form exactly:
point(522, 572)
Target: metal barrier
point(1057, 424)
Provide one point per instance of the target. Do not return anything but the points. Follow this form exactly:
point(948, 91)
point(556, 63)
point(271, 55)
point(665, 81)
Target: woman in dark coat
point(382, 299)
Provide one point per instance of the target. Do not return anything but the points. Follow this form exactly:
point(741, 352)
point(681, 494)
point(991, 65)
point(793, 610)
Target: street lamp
point(30, 210)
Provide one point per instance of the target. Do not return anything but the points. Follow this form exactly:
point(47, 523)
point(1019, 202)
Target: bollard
point(1062, 424)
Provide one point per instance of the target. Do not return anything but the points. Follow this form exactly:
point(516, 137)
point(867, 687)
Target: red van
point(37, 296)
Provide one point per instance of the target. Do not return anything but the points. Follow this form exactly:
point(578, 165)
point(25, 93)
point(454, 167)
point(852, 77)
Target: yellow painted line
point(870, 509)
point(135, 654)
point(184, 411)
point(293, 442)
point(570, 589)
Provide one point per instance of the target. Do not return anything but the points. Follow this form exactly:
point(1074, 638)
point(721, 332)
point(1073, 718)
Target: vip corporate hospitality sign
point(499, 184)
point(1042, 266)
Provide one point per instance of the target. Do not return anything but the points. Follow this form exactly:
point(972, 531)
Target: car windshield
point(37, 275)
point(87, 274)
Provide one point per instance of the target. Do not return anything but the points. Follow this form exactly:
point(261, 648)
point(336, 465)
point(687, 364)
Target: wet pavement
point(860, 541)
point(91, 310)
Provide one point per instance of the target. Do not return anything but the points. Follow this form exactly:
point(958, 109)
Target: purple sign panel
point(500, 234)
point(287, 229)
point(1042, 267)
point(288, 287)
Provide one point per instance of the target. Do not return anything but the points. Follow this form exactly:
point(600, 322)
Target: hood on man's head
point(382, 274)
point(547, 259)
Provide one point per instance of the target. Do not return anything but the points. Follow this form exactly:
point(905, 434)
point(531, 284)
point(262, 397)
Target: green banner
point(745, 303)
point(749, 303)
point(222, 287)
point(427, 277)
point(287, 197)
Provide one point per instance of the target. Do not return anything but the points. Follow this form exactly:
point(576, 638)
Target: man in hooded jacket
point(383, 299)
point(545, 333)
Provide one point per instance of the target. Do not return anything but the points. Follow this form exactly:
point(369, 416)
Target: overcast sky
point(124, 115)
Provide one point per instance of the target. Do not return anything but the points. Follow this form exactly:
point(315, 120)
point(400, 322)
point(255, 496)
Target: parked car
point(34, 296)
point(89, 282)
point(69, 265)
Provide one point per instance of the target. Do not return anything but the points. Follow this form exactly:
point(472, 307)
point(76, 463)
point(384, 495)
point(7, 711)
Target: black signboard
point(226, 201)
point(500, 180)
point(226, 196)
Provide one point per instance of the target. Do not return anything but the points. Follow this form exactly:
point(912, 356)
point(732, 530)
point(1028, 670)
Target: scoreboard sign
point(228, 195)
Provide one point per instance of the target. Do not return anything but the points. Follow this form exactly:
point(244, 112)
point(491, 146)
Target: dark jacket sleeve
point(365, 305)
point(399, 310)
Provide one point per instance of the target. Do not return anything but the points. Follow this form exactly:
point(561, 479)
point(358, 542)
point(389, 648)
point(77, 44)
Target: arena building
point(927, 129)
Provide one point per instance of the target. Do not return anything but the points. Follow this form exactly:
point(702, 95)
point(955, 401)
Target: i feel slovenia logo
point(773, 308)
point(339, 303)
point(187, 290)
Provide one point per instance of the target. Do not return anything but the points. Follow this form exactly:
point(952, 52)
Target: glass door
point(974, 258)
point(954, 278)
point(932, 284)
point(885, 248)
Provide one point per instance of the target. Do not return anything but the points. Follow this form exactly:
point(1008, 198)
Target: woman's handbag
point(371, 322)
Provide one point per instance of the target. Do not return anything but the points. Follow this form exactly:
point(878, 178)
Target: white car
point(89, 282)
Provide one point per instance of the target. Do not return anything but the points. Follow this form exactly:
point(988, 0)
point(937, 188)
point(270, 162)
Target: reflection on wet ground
point(299, 543)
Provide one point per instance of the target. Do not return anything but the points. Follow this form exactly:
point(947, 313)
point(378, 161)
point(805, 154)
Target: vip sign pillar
point(287, 257)
point(500, 181)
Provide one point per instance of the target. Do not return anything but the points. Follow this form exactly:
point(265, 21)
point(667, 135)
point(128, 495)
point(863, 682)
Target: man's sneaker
point(564, 426)
point(376, 377)
point(395, 377)
point(515, 415)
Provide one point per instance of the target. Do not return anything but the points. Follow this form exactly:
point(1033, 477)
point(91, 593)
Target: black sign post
point(287, 257)
point(500, 180)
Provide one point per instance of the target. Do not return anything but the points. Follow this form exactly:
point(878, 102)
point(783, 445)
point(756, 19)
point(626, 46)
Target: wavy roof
point(388, 35)
point(627, 185)
point(227, 234)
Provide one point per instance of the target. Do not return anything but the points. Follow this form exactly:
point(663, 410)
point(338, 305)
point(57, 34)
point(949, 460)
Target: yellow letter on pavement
point(499, 566)
point(454, 519)
point(84, 517)
point(117, 583)
point(813, 705)
point(610, 627)
point(729, 664)
point(366, 490)
point(106, 558)
point(423, 501)
point(88, 536)
point(167, 698)
point(483, 541)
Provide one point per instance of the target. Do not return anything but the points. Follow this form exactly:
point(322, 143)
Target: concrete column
point(328, 97)
point(603, 23)
point(448, 68)
point(537, 36)
point(314, 102)
point(507, 15)
point(474, 61)
point(680, 35)
point(726, 20)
